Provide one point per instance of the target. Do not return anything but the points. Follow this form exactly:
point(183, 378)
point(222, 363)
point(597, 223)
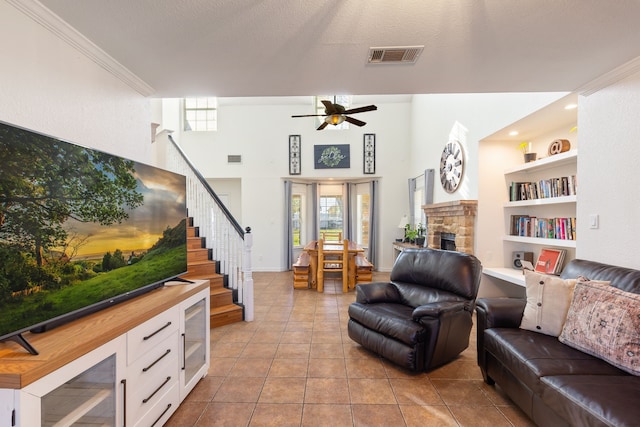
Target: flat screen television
point(80, 230)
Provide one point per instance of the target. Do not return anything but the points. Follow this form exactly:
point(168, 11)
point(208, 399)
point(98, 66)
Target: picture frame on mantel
point(295, 167)
point(369, 153)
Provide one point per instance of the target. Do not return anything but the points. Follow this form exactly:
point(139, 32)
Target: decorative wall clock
point(451, 166)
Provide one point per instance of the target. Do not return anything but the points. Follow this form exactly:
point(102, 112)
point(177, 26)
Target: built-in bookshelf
point(525, 207)
point(534, 223)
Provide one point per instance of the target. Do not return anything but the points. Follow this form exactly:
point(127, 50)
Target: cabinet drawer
point(162, 410)
point(152, 375)
point(143, 338)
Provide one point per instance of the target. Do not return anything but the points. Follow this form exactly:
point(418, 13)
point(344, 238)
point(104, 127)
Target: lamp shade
point(403, 222)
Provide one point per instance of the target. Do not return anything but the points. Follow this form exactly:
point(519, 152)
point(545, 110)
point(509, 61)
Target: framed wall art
point(294, 155)
point(369, 153)
point(331, 156)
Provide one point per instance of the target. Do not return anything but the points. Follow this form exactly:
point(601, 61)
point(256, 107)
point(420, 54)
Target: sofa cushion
point(529, 356)
point(548, 300)
point(389, 319)
point(604, 321)
point(593, 400)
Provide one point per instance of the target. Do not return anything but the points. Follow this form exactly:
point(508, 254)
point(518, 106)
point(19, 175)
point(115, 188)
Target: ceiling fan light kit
point(334, 114)
point(334, 119)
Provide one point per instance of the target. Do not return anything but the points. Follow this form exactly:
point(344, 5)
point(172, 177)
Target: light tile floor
point(295, 365)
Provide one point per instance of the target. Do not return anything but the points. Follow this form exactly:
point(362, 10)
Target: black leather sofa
point(554, 384)
point(422, 317)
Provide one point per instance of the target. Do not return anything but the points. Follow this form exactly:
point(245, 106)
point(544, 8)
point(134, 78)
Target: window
point(344, 100)
point(296, 220)
point(299, 209)
point(362, 217)
point(331, 212)
point(418, 201)
point(200, 114)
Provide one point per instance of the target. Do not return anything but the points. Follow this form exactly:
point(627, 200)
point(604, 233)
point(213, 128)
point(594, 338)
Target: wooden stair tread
point(225, 309)
point(204, 262)
point(214, 278)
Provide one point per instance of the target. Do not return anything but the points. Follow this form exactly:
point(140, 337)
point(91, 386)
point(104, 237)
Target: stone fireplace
point(456, 218)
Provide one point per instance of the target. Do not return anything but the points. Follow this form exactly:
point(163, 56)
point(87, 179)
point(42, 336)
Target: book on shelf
point(550, 261)
point(543, 189)
point(544, 228)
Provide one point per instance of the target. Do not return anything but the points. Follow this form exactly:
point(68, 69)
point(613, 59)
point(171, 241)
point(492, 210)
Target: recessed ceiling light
point(570, 106)
point(513, 133)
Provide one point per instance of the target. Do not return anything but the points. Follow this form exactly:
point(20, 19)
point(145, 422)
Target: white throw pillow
point(548, 301)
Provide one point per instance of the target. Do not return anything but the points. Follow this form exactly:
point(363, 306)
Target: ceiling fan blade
point(361, 109)
point(329, 107)
point(322, 126)
point(354, 121)
point(310, 115)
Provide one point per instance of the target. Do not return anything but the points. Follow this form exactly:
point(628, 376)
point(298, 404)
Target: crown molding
point(625, 70)
point(52, 22)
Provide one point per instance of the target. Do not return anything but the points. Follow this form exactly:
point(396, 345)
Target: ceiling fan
point(334, 114)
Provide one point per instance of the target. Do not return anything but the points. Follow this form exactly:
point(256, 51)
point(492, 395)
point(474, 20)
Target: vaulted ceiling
point(233, 48)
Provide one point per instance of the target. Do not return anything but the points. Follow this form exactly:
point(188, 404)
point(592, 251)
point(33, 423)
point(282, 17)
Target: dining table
point(332, 248)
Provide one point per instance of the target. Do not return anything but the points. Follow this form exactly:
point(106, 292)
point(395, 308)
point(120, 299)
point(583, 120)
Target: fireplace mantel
point(457, 217)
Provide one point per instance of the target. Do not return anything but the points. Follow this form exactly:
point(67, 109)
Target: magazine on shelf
point(550, 261)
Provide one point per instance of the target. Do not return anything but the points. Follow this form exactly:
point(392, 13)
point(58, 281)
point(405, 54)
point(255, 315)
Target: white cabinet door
point(196, 349)
point(84, 391)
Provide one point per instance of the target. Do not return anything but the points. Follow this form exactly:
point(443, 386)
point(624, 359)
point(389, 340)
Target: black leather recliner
point(422, 318)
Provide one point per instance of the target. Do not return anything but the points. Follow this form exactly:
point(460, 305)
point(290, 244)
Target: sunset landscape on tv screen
point(79, 227)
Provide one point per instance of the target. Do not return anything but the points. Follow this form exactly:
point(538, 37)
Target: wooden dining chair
point(333, 261)
point(332, 236)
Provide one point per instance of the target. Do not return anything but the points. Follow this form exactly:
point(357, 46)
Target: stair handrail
point(229, 243)
point(208, 188)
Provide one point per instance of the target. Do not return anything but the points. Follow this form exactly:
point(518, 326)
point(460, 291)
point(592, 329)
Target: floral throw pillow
point(604, 321)
point(548, 300)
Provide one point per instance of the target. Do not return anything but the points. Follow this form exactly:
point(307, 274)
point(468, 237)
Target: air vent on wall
point(234, 158)
point(402, 54)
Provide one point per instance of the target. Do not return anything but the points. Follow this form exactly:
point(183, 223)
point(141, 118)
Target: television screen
point(80, 230)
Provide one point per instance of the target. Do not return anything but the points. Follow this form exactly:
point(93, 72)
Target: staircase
point(200, 266)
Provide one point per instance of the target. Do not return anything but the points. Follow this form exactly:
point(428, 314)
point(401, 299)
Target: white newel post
point(247, 282)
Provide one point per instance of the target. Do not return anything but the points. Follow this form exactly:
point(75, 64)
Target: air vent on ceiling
point(234, 158)
point(402, 54)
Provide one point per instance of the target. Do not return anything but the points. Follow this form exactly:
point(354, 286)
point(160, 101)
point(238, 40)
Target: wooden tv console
point(131, 364)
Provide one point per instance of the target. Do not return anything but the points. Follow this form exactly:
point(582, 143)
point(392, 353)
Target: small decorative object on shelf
point(369, 155)
point(559, 146)
point(525, 147)
point(294, 155)
point(550, 261)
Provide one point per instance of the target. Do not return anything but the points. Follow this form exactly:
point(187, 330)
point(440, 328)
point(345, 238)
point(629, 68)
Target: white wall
point(259, 129)
point(49, 87)
point(435, 116)
point(410, 137)
point(608, 174)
